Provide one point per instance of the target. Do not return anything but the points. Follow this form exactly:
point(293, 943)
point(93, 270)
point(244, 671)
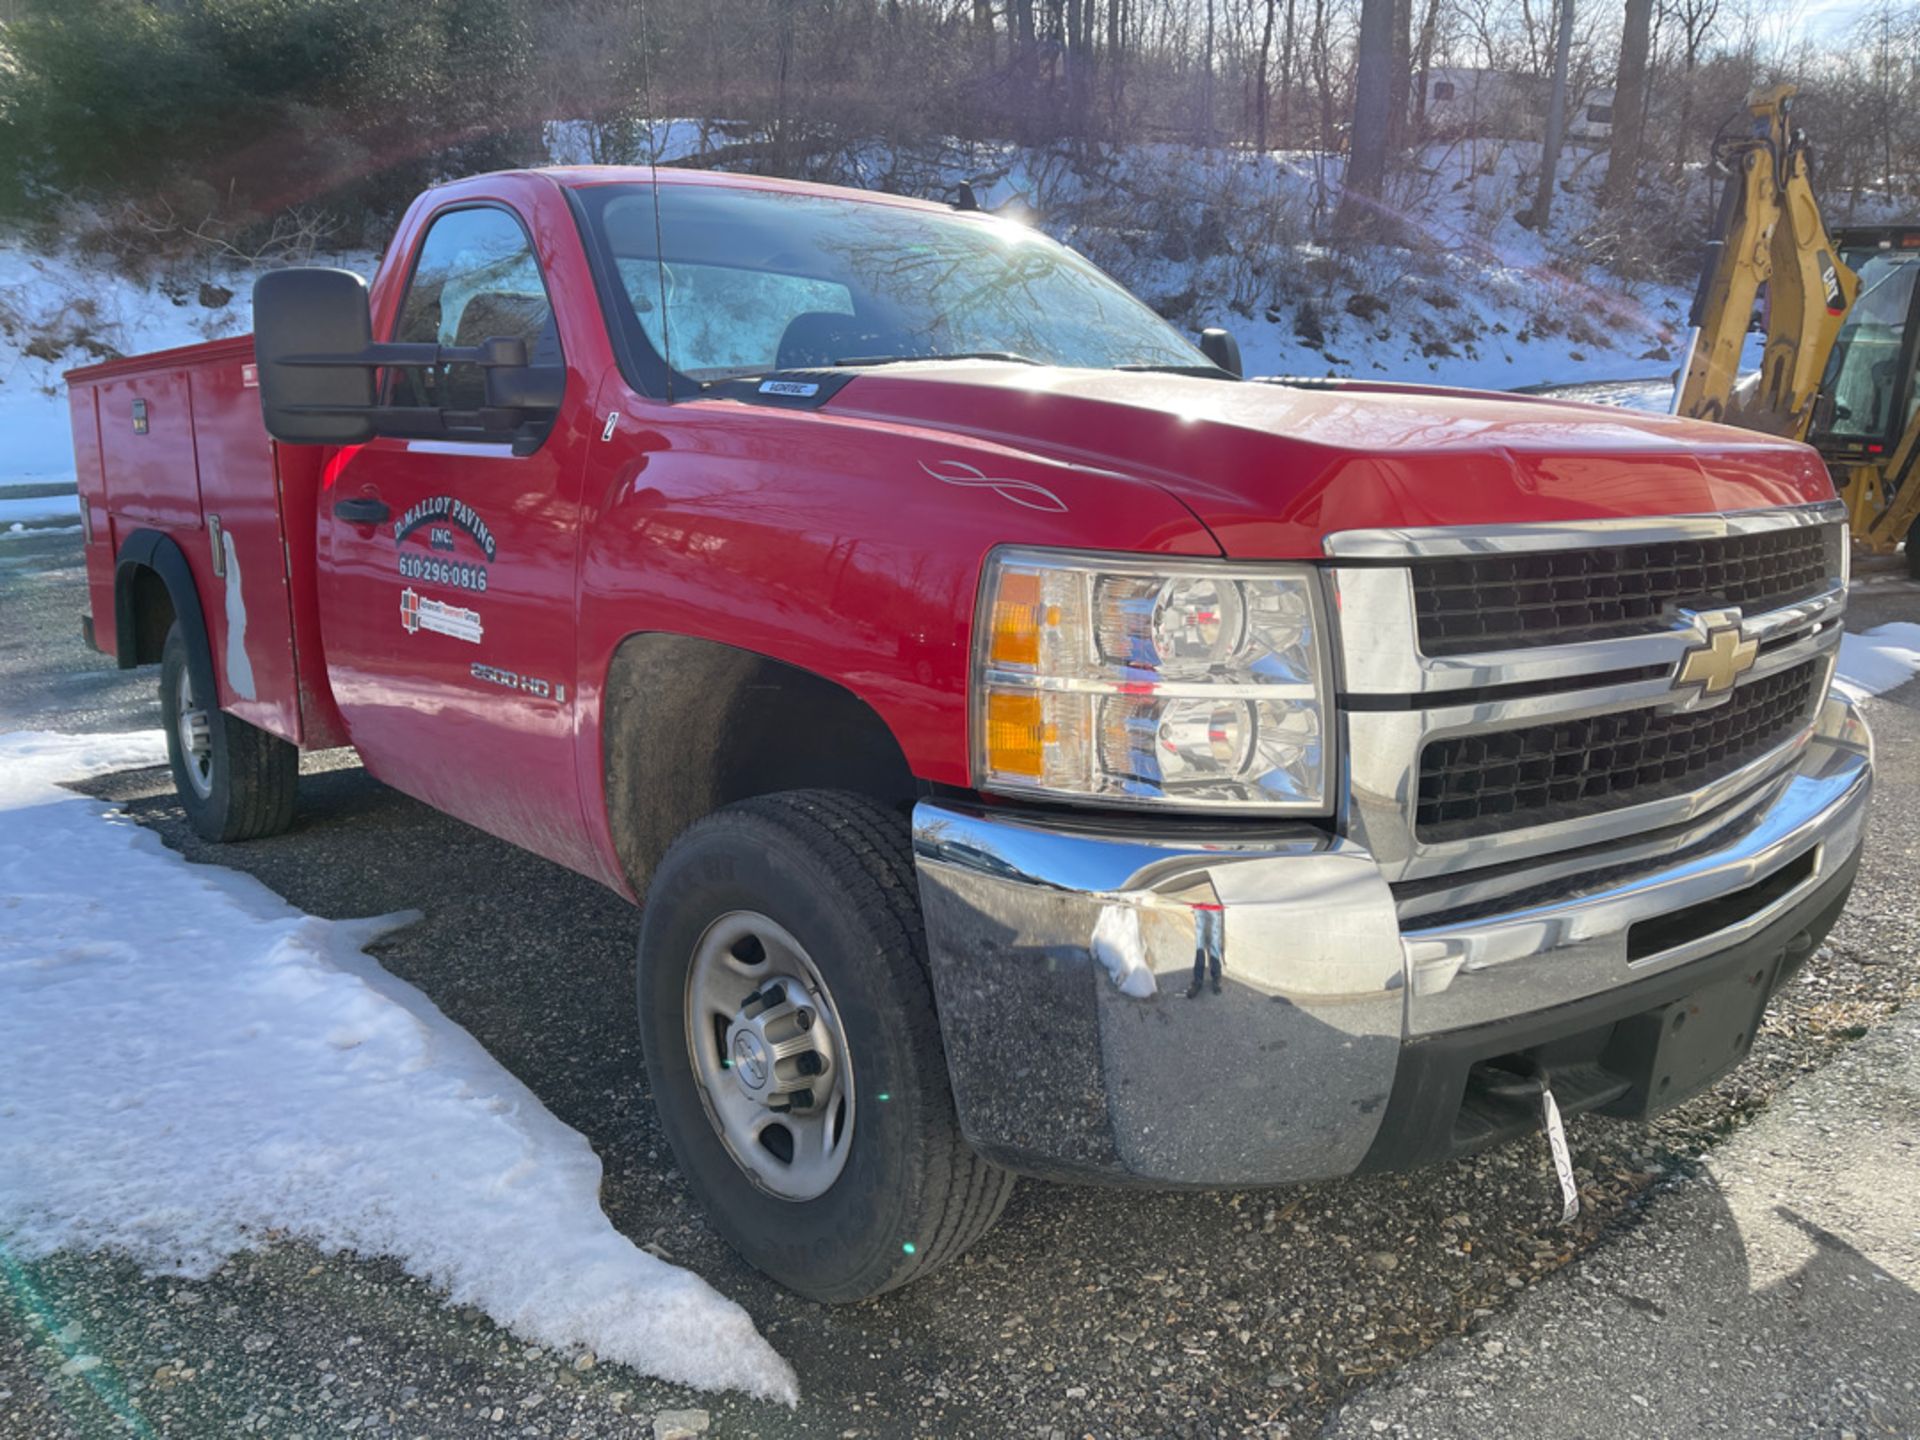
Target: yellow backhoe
point(1842, 328)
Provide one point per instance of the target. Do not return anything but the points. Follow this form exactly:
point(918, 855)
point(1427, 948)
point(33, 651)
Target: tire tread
point(868, 850)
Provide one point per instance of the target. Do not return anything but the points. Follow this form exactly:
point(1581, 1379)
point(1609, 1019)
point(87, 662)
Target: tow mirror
point(319, 370)
point(1222, 349)
point(309, 313)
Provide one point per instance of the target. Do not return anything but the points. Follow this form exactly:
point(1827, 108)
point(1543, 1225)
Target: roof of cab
point(581, 177)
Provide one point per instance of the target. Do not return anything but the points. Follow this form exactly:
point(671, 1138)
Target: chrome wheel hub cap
point(770, 1056)
point(196, 738)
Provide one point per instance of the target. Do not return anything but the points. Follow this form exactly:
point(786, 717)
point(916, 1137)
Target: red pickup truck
point(1038, 749)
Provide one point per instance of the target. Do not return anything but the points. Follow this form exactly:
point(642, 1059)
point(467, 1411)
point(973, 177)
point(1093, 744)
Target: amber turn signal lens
point(1016, 621)
point(1016, 734)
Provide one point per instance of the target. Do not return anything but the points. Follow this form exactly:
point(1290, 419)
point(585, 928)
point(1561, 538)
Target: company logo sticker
point(800, 389)
point(1020, 492)
point(445, 507)
point(443, 519)
point(417, 613)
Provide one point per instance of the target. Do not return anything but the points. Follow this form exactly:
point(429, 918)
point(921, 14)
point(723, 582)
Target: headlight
point(1188, 683)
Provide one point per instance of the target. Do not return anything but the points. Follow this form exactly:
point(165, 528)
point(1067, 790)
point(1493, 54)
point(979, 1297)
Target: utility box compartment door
point(146, 442)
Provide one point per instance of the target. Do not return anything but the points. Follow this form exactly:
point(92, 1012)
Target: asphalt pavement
point(1087, 1312)
point(1775, 1294)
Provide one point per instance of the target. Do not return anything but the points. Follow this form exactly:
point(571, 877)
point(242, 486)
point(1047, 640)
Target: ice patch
point(188, 1064)
point(1873, 663)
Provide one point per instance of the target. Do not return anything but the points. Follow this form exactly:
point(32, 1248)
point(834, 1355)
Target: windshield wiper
point(1204, 372)
point(1008, 355)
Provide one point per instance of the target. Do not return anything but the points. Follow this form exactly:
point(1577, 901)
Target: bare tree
point(1629, 108)
point(1695, 19)
point(1260, 78)
point(1372, 121)
point(1542, 210)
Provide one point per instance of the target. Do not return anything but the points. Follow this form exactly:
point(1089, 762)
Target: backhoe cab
point(1867, 424)
point(1839, 365)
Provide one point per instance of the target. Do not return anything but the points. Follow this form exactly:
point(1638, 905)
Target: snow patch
point(189, 1065)
point(1885, 657)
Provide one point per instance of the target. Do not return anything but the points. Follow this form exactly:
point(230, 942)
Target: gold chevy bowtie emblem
point(1722, 658)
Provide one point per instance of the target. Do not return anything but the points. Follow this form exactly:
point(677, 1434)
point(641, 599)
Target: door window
point(1872, 400)
point(476, 279)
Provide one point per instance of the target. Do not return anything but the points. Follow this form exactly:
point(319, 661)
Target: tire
point(242, 784)
point(1913, 544)
point(833, 873)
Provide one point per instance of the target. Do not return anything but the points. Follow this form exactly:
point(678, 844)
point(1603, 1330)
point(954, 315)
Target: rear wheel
point(1913, 547)
point(794, 1052)
point(236, 782)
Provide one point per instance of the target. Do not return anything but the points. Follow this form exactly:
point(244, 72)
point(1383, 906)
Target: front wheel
point(793, 1049)
point(236, 782)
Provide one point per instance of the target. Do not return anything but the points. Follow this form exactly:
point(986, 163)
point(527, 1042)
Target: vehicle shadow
point(1091, 1310)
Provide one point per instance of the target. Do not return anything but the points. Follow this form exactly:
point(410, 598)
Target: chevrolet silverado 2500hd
point(1038, 749)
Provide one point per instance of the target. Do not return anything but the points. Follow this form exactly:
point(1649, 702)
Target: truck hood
point(1272, 468)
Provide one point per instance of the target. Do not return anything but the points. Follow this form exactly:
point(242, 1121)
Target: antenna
point(653, 176)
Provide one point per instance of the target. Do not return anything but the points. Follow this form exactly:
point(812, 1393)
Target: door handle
point(362, 510)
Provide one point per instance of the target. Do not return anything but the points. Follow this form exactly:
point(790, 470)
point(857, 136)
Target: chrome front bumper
point(1218, 1009)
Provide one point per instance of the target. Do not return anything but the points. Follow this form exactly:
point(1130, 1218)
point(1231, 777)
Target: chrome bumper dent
point(1229, 1010)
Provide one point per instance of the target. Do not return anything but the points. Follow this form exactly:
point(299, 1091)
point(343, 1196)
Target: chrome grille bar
point(1395, 699)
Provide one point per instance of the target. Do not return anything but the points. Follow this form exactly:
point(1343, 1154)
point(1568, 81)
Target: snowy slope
point(189, 1065)
point(60, 311)
point(1225, 237)
point(1220, 237)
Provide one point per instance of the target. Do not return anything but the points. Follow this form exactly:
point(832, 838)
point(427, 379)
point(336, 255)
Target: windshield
point(1872, 400)
point(741, 282)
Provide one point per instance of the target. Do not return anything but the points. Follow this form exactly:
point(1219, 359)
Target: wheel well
point(148, 605)
point(692, 725)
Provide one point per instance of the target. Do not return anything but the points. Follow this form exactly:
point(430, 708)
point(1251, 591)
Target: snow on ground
point(1884, 657)
point(188, 1065)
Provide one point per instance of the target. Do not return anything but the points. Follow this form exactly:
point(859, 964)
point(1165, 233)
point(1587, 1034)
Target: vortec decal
point(418, 613)
point(445, 507)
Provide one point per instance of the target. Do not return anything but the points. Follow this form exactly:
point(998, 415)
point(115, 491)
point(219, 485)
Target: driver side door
point(448, 584)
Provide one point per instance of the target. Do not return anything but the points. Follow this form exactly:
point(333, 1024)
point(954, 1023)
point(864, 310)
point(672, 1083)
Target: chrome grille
point(1509, 600)
point(1478, 784)
point(1477, 775)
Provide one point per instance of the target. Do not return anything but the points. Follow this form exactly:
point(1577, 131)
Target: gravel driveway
point(1086, 1313)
